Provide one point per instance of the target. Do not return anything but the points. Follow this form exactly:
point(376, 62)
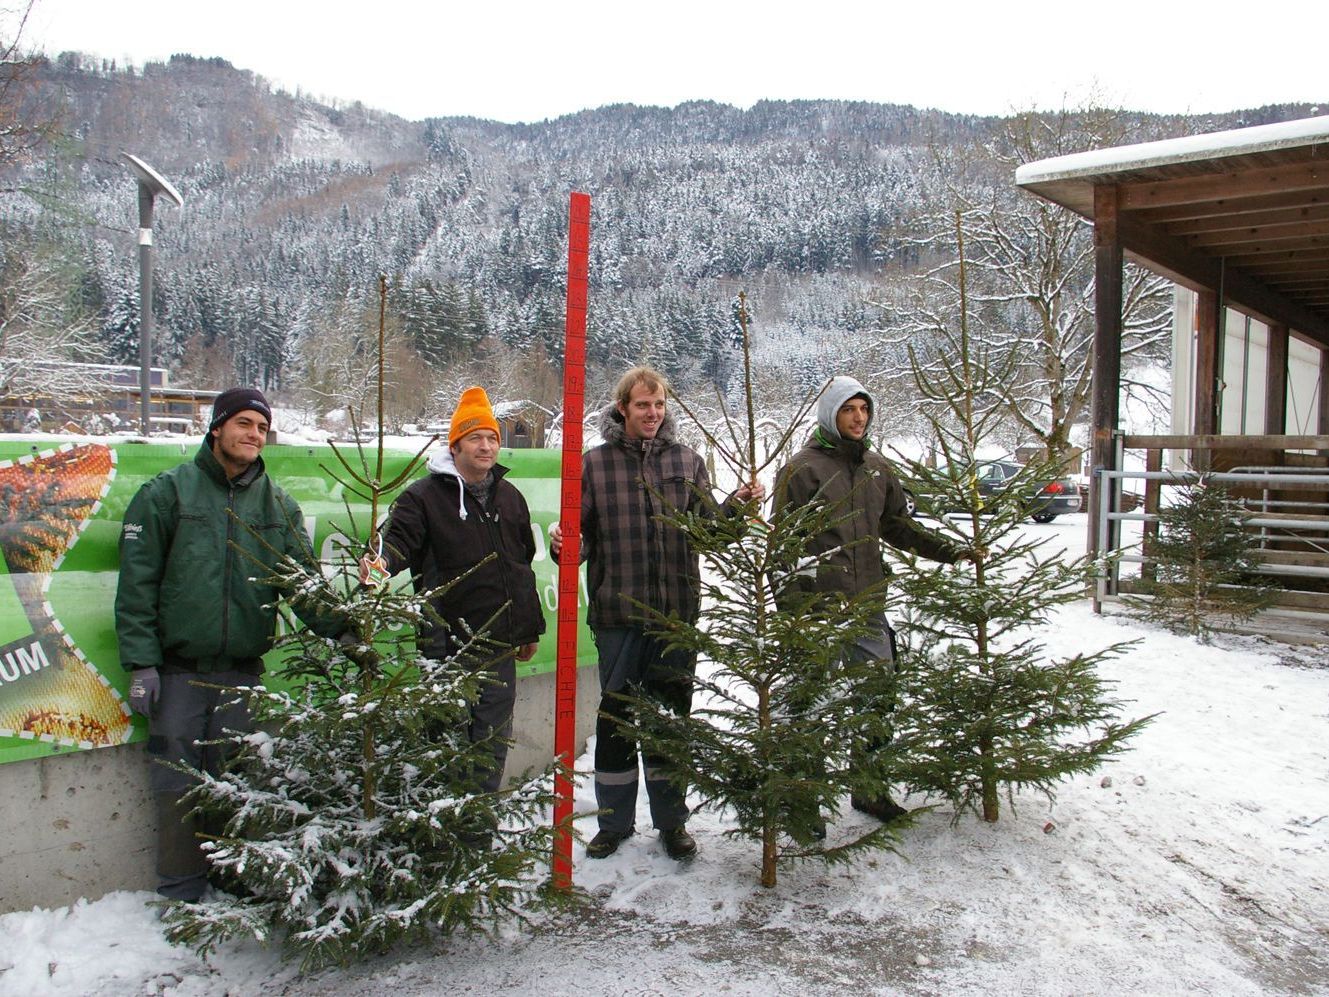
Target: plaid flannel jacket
point(631, 555)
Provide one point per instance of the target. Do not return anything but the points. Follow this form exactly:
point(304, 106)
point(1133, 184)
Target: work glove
point(145, 685)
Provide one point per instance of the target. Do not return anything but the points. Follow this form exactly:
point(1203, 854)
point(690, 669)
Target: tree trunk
point(768, 828)
point(988, 770)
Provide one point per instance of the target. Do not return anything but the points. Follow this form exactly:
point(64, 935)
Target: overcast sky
point(519, 61)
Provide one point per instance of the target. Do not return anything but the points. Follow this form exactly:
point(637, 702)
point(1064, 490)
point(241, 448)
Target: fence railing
point(1288, 508)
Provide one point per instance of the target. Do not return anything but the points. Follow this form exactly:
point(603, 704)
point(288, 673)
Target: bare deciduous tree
point(1031, 269)
point(46, 339)
point(26, 120)
point(340, 366)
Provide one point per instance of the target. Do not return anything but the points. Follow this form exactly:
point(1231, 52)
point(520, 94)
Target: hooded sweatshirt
point(866, 497)
point(439, 530)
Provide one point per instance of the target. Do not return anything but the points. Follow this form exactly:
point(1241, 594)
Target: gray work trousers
point(876, 647)
point(186, 714)
point(491, 715)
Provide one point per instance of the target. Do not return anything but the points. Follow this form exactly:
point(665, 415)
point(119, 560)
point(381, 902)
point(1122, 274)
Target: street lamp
point(150, 184)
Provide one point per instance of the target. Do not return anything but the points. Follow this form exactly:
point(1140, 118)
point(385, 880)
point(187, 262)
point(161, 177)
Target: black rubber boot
point(883, 808)
point(605, 843)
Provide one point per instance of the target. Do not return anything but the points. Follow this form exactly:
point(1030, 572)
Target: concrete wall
point(75, 825)
point(81, 824)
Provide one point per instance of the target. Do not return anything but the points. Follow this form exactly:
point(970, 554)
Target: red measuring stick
point(574, 397)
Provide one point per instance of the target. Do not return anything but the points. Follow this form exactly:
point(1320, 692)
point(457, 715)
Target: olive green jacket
point(867, 501)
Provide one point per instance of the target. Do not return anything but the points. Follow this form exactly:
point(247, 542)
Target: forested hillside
point(827, 213)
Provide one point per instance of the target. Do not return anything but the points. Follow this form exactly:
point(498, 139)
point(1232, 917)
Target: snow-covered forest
point(831, 215)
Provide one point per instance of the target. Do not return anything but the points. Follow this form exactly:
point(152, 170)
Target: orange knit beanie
point(473, 412)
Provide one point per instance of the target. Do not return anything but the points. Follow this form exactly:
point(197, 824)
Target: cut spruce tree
point(353, 818)
point(1204, 564)
point(782, 731)
point(983, 710)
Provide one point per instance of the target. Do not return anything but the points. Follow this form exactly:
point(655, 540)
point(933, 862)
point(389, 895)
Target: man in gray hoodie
point(837, 466)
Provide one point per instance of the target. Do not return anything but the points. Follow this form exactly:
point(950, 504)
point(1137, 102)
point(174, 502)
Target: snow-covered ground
point(1197, 863)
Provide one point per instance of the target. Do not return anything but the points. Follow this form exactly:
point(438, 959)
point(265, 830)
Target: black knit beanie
point(234, 400)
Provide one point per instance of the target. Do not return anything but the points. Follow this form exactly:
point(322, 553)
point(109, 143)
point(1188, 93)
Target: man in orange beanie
point(448, 525)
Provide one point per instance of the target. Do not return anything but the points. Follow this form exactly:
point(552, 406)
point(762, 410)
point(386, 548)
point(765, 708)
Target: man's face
point(239, 440)
point(643, 413)
point(475, 453)
point(852, 419)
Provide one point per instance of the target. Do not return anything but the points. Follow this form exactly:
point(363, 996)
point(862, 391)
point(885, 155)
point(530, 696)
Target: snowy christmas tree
point(983, 710)
point(1204, 564)
point(353, 818)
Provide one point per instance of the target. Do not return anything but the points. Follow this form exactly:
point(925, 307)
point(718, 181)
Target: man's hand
point(145, 687)
point(555, 543)
point(974, 554)
point(526, 652)
point(753, 491)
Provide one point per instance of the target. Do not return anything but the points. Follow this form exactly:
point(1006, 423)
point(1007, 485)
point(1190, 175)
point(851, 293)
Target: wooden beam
point(1204, 420)
point(1311, 233)
point(1167, 441)
point(1230, 222)
point(1296, 280)
point(1105, 390)
point(1281, 262)
point(1224, 207)
point(1275, 381)
point(1215, 186)
point(1159, 252)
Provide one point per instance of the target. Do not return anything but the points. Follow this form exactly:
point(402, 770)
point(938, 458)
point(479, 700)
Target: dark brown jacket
point(858, 484)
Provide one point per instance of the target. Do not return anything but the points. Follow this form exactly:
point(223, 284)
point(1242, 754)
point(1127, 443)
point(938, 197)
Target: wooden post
point(1275, 382)
point(1205, 422)
point(1324, 396)
point(1106, 389)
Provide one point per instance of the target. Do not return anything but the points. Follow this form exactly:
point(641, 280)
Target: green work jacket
point(198, 553)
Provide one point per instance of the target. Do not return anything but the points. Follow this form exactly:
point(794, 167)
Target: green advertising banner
point(61, 685)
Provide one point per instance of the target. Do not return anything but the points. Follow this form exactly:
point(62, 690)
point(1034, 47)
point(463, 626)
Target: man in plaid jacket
point(637, 474)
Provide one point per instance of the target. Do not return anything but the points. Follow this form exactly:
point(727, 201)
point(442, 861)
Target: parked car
point(1052, 499)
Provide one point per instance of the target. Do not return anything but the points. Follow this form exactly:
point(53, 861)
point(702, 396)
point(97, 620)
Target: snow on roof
point(1143, 155)
point(504, 409)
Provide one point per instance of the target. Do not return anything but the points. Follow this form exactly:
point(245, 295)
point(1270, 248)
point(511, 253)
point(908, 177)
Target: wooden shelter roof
point(1245, 210)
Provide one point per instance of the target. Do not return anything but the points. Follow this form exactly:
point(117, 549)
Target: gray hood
point(838, 391)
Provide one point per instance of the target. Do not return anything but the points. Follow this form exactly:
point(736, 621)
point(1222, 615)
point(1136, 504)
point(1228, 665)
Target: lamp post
point(150, 184)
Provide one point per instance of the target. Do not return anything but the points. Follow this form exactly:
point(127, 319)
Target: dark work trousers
point(633, 661)
point(186, 713)
point(491, 714)
point(879, 646)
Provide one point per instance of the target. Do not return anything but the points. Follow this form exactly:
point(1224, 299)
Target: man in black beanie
point(195, 611)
